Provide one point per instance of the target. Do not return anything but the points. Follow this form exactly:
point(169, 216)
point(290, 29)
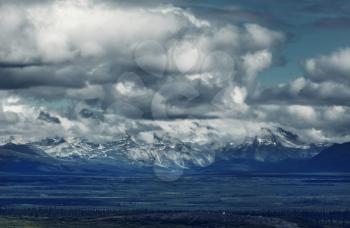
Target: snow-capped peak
point(163, 150)
point(280, 137)
point(12, 139)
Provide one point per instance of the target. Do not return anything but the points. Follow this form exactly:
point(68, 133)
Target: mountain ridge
point(264, 152)
point(270, 146)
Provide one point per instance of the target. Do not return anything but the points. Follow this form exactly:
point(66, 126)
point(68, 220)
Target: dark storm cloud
point(305, 92)
point(19, 77)
point(46, 117)
point(19, 65)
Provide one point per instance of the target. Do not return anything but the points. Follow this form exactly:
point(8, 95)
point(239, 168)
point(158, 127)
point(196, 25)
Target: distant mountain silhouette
point(334, 158)
point(27, 159)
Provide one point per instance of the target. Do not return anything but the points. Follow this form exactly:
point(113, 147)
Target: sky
point(200, 71)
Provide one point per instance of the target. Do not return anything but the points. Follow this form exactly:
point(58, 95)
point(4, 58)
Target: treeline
point(60, 212)
point(341, 218)
point(311, 217)
point(52, 212)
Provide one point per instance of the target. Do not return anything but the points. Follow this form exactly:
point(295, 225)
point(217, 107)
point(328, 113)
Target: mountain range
point(275, 150)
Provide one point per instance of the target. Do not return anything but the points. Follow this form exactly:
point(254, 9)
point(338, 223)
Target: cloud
point(253, 63)
point(326, 82)
point(64, 34)
point(318, 103)
point(102, 69)
point(82, 51)
point(302, 91)
point(332, 122)
point(262, 37)
point(331, 68)
point(46, 117)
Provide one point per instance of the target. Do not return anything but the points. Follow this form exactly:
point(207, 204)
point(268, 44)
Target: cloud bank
point(99, 70)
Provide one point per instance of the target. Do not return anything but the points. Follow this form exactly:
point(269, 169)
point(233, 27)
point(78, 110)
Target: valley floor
point(184, 219)
point(306, 200)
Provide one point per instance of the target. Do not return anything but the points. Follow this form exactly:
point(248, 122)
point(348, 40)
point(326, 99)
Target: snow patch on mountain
point(152, 149)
